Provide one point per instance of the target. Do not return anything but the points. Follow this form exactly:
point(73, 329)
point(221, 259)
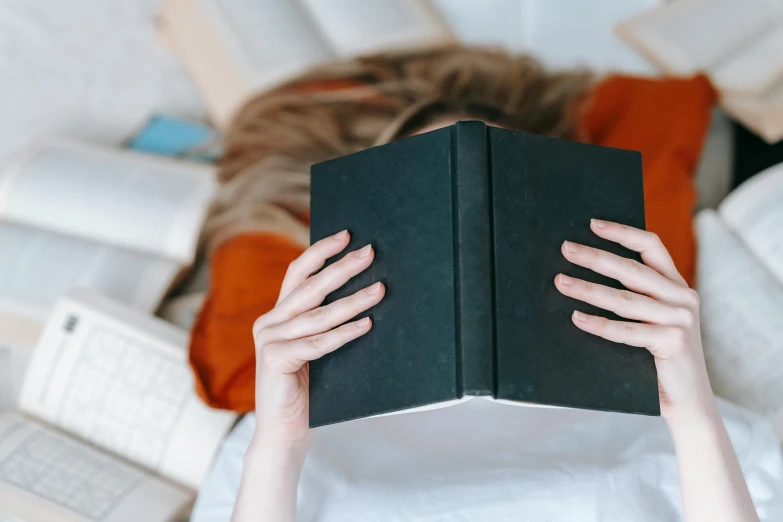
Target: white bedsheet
point(483, 461)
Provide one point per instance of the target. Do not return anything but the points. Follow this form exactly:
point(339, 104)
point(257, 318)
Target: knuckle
point(292, 270)
point(628, 329)
point(590, 255)
point(258, 327)
point(625, 297)
point(318, 315)
point(293, 266)
point(691, 298)
point(268, 357)
point(309, 285)
point(317, 343)
point(686, 317)
point(601, 324)
point(631, 265)
point(654, 238)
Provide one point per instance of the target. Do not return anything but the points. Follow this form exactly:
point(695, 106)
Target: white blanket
point(483, 461)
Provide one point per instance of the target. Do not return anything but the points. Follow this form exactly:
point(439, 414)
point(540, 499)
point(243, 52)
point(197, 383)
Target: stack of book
point(98, 415)
point(119, 222)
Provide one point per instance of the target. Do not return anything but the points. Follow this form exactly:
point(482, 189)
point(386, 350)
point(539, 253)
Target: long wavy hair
point(347, 106)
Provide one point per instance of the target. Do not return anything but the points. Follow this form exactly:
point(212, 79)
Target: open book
point(233, 48)
point(109, 427)
point(741, 285)
point(121, 223)
point(738, 44)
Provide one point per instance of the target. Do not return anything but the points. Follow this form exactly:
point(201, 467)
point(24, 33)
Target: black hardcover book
point(467, 222)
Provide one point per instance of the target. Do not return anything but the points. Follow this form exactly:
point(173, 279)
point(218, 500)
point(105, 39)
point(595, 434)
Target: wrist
point(276, 450)
point(699, 417)
point(270, 478)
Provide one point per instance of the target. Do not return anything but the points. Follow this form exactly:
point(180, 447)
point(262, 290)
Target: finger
point(623, 302)
point(290, 356)
point(325, 318)
point(313, 290)
point(311, 261)
point(632, 274)
point(648, 244)
point(653, 337)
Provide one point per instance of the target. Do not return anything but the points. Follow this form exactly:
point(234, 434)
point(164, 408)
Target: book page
point(755, 211)
point(120, 381)
point(48, 477)
point(762, 114)
point(733, 41)
point(757, 68)
point(356, 26)
point(126, 199)
point(8, 384)
point(189, 30)
point(14, 359)
point(20, 330)
point(271, 35)
point(234, 48)
point(741, 310)
point(39, 266)
point(18, 337)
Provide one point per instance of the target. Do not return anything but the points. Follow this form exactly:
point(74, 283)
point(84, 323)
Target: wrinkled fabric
point(484, 461)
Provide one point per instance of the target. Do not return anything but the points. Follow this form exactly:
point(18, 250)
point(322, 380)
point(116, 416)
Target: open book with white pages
point(740, 280)
point(122, 223)
point(233, 48)
point(108, 426)
point(738, 44)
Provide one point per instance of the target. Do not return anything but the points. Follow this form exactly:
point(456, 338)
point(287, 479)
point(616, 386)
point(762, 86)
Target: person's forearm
point(711, 480)
point(269, 482)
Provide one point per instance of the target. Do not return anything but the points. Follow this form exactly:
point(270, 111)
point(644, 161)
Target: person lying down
point(703, 459)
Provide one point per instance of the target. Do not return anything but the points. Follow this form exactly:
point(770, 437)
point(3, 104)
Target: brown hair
point(346, 106)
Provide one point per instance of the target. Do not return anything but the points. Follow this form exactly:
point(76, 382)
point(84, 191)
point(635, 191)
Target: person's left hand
point(660, 299)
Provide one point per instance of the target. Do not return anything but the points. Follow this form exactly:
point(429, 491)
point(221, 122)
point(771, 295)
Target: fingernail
point(598, 223)
point(570, 247)
point(372, 290)
point(579, 316)
point(338, 236)
point(364, 251)
point(363, 322)
point(565, 279)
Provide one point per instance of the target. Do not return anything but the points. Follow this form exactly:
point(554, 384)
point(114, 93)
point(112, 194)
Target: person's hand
point(659, 297)
point(298, 329)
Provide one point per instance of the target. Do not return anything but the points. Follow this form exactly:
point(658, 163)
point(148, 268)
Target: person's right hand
point(298, 330)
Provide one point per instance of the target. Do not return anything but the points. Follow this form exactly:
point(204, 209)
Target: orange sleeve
point(246, 275)
point(667, 120)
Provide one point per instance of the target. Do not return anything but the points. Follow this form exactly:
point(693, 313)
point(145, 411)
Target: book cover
point(467, 223)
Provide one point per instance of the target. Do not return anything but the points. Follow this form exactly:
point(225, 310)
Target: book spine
point(472, 208)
